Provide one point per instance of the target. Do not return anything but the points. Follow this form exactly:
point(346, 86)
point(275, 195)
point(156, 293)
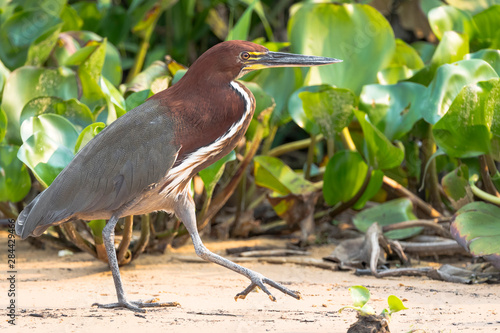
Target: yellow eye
point(245, 55)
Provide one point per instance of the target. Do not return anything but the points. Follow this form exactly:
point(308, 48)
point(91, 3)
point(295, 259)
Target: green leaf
point(464, 131)
point(144, 79)
point(26, 83)
point(344, 175)
point(360, 295)
point(395, 304)
point(393, 109)
point(395, 211)
point(488, 26)
point(472, 7)
point(264, 105)
point(4, 74)
point(48, 142)
point(449, 80)
point(296, 110)
point(492, 57)
point(448, 18)
point(15, 181)
point(381, 153)
point(279, 83)
point(453, 47)
point(456, 186)
point(88, 134)
point(330, 108)
point(211, 174)
point(137, 98)
point(272, 173)
point(242, 27)
point(425, 50)
point(405, 62)
point(360, 36)
point(41, 48)
point(476, 227)
point(74, 111)
point(71, 20)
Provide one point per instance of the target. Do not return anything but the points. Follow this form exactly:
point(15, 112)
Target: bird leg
point(186, 213)
point(108, 234)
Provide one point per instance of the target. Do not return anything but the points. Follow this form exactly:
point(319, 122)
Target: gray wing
point(135, 151)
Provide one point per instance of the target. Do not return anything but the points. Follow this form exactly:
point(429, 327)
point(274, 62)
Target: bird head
point(232, 59)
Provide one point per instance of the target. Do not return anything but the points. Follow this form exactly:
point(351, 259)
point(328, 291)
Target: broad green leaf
point(395, 211)
point(242, 27)
point(345, 174)
point(48, 143)
point(360, 295)
point(453, 47)
point(264, 105)
point(77, 58)
point(473, 7)
point(464, 131)
point(393, 109)
point(448, 18)
point(26, 83)
point(425, 50)
point(74, 111)
point(488, 26)
point(492, 57)
point(476, 227)
point(211, 174)
point(380, 152)
point(4, 74)
point(296, 110)
point(70, 18)
point(41, 48)
point(88, 134)
point(279, 83)
point(447, 83)
point(137, 98)
point(395, 304)
point(272, 173)
point(330, 108)
point(405, 62)
point(360, 35)
point(15, 181)
point(456, 186)
point(144, 79)
point(21, 29)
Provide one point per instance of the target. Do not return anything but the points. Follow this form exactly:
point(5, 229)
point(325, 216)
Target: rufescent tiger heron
point(144, 161)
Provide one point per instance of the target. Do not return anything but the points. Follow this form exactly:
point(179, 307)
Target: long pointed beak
point(281, 59)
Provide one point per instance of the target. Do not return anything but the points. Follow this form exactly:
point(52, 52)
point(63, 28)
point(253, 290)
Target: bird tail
point(35, 218)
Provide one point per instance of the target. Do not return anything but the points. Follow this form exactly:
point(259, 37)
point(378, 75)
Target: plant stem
point(310, 157)
point(395, 187)
point(292, 146)
point(431, 180)
point(143, 49)
point(486, 174)
point(145, 234)
point(330, 147)
point(83, 244)
point(347, 139)
point(266, 147)
point(483, 195)
point(124, 244)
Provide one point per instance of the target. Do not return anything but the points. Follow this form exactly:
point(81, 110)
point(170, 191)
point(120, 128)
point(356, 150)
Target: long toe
point(259, 281)
point(137, 306)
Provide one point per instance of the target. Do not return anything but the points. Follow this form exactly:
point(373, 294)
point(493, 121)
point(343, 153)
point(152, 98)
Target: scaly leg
point(108, 234)
point(185, 211)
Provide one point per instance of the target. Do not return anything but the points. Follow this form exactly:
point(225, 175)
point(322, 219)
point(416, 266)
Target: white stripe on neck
point(183, 170)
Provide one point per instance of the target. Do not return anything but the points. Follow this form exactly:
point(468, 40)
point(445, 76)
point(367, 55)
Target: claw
point(137, 305)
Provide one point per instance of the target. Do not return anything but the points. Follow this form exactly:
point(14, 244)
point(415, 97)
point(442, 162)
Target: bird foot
point(137, 306)
point(258, 281)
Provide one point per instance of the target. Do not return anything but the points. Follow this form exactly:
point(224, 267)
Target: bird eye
point(245, 55)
